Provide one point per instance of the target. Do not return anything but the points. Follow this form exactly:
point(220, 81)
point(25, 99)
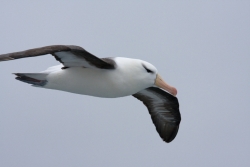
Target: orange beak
point(162, 84)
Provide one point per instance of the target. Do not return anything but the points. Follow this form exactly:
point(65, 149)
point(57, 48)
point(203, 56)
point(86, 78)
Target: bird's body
point(87, 81)
point(120, 82)
point(83, 73)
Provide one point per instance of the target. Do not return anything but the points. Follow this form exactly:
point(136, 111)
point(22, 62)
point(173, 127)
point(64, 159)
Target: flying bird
point(83, 73)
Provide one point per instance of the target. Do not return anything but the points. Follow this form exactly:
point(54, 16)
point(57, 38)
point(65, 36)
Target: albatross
point(83, 73)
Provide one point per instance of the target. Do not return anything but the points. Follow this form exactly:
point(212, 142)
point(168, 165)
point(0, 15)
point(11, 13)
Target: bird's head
point(142, 75)
point(152, 74)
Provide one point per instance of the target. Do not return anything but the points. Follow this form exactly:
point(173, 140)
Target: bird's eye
point(148, 70)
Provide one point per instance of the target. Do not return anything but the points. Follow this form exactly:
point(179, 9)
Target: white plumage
point(128, 78)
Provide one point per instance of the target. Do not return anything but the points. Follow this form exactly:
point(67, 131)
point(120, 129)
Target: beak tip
point(174, 91)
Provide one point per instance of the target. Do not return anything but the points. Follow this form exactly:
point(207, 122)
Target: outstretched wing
point(68, 55)
point(164, 111)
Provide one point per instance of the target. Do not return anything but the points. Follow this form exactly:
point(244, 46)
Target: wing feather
point(68, 55)
point(164, 111)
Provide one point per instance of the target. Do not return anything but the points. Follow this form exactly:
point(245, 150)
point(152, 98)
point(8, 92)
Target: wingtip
point(171, 136)
point(17, 74)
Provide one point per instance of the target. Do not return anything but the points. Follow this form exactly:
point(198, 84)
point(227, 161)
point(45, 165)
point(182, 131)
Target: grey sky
point(201, 48)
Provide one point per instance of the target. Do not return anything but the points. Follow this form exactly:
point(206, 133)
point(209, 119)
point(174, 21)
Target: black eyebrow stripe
point(148, 70)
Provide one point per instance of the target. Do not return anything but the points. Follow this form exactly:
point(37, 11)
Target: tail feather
point(36, 79)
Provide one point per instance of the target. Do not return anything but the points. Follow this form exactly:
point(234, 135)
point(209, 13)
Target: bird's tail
point(36, 79)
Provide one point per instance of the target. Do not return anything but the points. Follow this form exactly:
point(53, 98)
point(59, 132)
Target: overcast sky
point(201, 48)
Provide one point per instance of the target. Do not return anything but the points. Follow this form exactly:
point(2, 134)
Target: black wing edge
point(104, 63)
point(166, 123)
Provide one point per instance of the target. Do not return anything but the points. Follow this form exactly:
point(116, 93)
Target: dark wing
point(164, 111)
point(68, 55)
